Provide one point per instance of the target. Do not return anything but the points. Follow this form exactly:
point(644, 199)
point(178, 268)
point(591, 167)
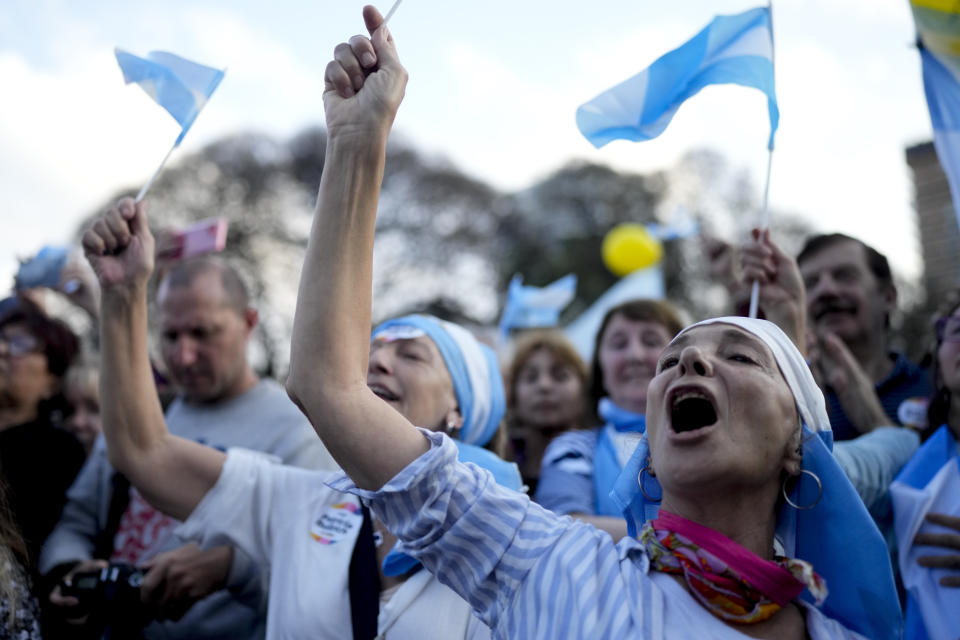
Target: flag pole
point(764, 224)
point(146, 187)
point(765, 211)
point(390, 13)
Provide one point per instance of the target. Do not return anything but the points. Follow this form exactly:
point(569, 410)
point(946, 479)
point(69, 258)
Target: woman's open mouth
point(691, 409)
point(383, 392)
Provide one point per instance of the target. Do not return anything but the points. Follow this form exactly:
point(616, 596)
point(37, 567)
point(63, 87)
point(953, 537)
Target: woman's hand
point(947, 542)
point(119, 247)
point(782, 294)
point(364, 83)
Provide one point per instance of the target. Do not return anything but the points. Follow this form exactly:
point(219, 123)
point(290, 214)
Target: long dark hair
point(13, 555)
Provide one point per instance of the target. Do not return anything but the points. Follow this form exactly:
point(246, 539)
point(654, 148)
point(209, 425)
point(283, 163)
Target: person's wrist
point(357, 139)
point(123, 295)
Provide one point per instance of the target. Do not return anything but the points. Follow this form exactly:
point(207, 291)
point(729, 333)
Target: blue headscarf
point(479, 389)
point(837, 536)
point(473, 369)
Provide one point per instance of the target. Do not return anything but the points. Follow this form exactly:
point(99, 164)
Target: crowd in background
point(213, 541)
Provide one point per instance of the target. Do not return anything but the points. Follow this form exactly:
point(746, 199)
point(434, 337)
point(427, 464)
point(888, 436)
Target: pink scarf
point(732, 582)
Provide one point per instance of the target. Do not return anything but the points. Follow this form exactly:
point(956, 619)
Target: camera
point(112, 592)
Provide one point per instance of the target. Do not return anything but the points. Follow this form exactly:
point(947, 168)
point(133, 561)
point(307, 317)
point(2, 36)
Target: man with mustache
point(205, 323)
point(850, 296)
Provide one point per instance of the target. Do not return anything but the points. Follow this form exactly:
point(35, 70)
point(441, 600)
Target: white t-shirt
point(291, 523)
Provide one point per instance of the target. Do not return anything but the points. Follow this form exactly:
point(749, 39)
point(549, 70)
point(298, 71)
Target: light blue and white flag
point(530, 307)
point(943, 100)
point(735, 49)
point(180, 86)
point(928, 483)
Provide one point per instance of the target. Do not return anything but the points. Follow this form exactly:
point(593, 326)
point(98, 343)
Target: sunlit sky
point(494, 86)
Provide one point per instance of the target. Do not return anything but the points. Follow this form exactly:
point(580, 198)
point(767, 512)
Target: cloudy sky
point(493, 87)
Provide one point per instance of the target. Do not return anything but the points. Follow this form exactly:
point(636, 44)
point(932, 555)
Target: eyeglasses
point(948, 329)
point(20, 345)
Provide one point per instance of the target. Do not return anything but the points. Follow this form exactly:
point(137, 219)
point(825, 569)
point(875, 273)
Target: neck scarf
point(730, 581)
point(607, 463)
point(622, 420)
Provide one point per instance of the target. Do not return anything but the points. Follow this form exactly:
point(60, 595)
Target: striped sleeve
point(525, 571)
point(566, 475)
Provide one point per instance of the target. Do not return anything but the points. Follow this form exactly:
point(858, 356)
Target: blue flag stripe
point(178, 85)
point(735, 49)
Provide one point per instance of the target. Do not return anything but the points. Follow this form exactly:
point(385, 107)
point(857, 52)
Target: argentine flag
point(929, 483)
point(943, 100)
point(180, 86)
point(530, 307)
point(735, 49)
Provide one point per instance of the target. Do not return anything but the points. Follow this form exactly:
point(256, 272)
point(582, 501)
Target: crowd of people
point(791, 477)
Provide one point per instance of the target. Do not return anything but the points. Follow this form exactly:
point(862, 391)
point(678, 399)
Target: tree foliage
point(445, 240)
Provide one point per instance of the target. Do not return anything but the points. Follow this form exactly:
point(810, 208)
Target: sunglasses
point(20, 345)
point(948, 329)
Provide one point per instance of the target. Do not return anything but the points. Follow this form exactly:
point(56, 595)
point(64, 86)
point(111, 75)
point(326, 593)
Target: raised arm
point(364, 85)
point(172, 473)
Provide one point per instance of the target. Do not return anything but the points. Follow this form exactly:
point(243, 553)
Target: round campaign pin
point(912, 412)
point(336, 523)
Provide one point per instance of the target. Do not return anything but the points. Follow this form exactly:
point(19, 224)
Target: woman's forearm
point(172, 473)
point(331, 330)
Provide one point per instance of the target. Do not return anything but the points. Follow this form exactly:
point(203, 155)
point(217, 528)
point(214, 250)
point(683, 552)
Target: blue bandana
point(473, 369)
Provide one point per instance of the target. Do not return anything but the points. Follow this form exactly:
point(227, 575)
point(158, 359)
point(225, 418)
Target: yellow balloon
point(629, 247)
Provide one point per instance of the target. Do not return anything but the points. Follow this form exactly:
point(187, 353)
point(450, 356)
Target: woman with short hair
point(38, 460)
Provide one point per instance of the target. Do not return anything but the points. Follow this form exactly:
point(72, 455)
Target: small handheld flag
point(178, 85)
point(736, 49)
point(530, 307)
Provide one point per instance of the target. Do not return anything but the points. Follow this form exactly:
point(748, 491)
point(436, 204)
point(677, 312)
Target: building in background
point(937, 223)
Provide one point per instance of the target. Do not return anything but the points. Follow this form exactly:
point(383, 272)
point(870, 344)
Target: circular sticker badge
point(336, 523)
point(912, 412)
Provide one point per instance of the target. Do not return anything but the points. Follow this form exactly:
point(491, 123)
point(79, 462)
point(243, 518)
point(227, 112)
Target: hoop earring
point(816, 478)
point(650, 472)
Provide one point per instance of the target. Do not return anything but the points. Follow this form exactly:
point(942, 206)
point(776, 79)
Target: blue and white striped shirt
point(529, 573)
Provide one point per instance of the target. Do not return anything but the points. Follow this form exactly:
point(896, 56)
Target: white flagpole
point(392, 11)
point(146, 187)
point(764, 224)
point(765, 212)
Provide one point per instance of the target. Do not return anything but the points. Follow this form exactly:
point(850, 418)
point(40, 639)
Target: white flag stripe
point(754, 42)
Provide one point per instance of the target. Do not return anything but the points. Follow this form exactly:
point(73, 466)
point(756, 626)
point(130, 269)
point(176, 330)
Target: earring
point(450, 427)
point(652, 474)
point(816, 478)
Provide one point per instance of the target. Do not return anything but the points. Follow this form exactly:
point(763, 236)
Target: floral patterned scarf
point(730, 581)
